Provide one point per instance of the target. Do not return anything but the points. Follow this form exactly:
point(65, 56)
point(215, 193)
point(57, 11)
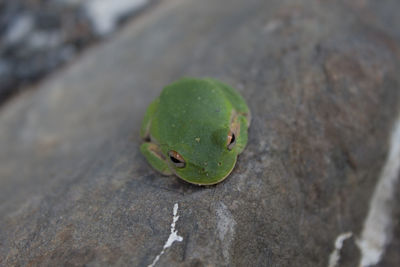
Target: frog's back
point(190, 107)
point(237, 101)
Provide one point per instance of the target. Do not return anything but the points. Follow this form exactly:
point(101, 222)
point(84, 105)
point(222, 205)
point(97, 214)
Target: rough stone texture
point(321, 79)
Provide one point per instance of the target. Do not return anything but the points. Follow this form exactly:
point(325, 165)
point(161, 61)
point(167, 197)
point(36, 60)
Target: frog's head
point(206, 157)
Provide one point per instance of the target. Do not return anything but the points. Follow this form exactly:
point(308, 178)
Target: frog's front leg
point(154, 156)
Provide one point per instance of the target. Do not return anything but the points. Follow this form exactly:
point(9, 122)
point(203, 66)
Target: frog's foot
point(155, 157)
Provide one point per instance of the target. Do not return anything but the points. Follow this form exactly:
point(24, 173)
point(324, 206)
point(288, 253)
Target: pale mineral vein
point(335, 255)
point(377, 230)
point(172, 237)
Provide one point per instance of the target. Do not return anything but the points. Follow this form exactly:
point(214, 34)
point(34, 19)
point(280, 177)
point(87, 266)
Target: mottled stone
point(321, 79)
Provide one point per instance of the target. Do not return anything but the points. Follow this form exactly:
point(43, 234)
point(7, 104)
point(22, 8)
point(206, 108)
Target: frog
point(195, 130)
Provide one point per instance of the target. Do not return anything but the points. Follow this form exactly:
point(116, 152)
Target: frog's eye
point(176, 159)
point(231, 141)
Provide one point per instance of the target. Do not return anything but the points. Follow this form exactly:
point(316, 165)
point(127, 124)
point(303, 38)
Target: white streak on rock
point(226, 229)
point(335, 255)
point(105, 14)
point(172, 237)
point(377, 230)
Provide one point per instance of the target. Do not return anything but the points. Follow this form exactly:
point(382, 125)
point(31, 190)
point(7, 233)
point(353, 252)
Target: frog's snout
point(205, 170)
point(216, 169)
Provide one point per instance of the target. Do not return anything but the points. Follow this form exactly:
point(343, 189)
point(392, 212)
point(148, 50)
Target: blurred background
point(39, 36)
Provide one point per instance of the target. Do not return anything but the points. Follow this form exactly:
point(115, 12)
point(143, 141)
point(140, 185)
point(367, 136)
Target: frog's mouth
point(207, 175)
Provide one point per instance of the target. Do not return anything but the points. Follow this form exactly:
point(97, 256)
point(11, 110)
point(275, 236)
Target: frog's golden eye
point(176, 159)
point(231, 141)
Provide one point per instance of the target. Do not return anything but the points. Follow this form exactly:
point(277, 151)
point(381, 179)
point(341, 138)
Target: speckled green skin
point(193, 117)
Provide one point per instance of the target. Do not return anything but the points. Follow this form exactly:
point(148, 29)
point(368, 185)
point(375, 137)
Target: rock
point(38, 37)
point(106, 15)
point(321, 80)
point(33, 35)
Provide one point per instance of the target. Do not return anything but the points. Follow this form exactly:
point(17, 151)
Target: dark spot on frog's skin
point(219, 163)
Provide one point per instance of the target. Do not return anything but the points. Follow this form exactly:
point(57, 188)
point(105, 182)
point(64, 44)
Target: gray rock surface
point(321, 79)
